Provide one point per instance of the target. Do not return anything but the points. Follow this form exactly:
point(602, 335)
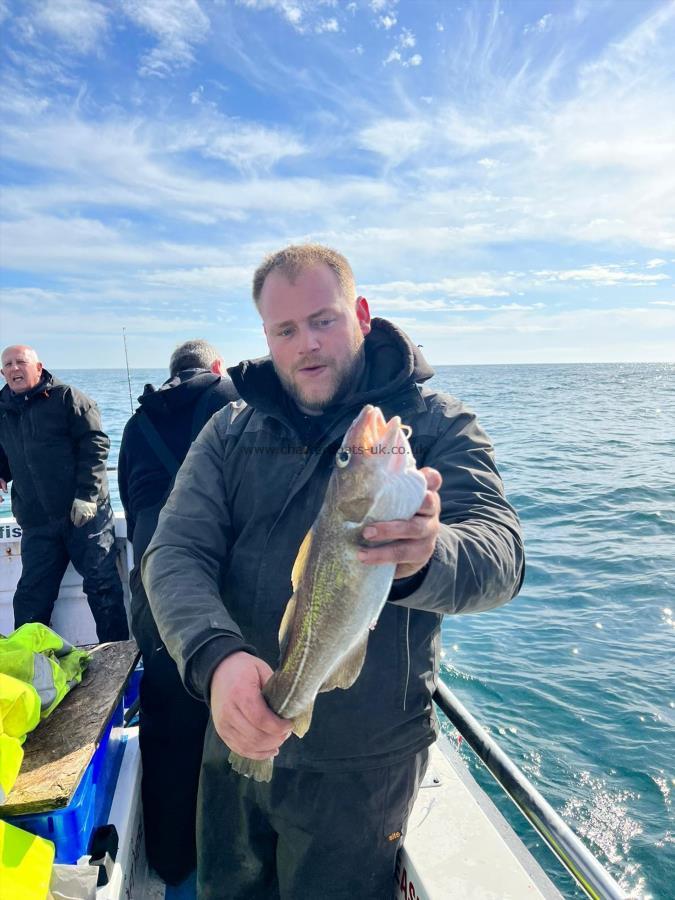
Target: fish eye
point(342, 457)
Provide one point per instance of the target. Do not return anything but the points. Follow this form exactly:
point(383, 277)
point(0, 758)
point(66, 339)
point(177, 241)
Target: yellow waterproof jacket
point(25, 864)
point(37, 669)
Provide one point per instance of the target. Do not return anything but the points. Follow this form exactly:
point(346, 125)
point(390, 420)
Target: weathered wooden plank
point(58, 752)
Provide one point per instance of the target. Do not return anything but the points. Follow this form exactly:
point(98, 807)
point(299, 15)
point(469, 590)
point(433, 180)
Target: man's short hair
point(293, 260)
point(24, 348)
point(196, 354)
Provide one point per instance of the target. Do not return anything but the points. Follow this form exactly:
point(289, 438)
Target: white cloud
point(607, 276)
point(406, 39)
point(78, 23)
point(77, 244)
point(396, 56)
point(292, 12)
point(396, 138)
point(327, 25)
point(207, 278)
point(387, 22)
point(566, 170)
point(408, 304)
point(177, 198)
point(579, 335)
point(474, 286)
point(46, 305)
point(248, 147)
point(141, 156)
point(177, 26)
point(540, 26)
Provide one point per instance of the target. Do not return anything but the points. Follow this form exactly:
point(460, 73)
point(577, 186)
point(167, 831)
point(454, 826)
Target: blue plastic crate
point(70, 827)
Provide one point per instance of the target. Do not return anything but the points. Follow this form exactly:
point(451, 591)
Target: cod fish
point(337, 599)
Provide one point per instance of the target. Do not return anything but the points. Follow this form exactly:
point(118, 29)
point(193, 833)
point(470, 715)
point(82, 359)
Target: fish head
point(376, 477)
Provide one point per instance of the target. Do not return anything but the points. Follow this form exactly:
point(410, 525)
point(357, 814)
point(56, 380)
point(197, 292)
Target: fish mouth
point(372, 435)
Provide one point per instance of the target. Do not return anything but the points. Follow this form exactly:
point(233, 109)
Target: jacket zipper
point(407, 652)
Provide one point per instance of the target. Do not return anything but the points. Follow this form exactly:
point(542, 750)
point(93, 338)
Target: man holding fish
point(299, 575)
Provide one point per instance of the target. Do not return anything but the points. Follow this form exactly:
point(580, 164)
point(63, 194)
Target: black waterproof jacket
point(178, 409)
point(53, 450)
point(218, 570)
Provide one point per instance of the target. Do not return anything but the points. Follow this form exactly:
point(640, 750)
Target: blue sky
point(501, 175)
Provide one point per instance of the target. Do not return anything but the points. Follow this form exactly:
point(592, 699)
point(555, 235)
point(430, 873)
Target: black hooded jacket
point(218, 570)
point(172, 408)
point(52, 449)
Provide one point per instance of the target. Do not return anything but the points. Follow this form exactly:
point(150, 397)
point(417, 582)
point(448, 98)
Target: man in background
point(54, 452)
point(218, 575)
point(172, 724)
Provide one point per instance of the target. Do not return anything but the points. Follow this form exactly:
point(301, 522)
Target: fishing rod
point(126, 357)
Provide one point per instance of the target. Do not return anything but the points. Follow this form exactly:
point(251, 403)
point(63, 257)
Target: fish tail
point(257, 769)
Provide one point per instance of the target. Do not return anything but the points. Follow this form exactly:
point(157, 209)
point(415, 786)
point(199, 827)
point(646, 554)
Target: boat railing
point(592, 878)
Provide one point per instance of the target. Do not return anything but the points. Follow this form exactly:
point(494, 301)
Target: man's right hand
point(82, 511)
point(241, 716)
point(3, 489)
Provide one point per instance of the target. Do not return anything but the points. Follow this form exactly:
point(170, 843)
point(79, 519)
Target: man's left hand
point(409, 543)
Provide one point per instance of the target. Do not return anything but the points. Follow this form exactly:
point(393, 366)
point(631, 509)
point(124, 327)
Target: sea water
point(576, 677)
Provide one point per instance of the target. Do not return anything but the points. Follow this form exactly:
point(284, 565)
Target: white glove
point(82, 511)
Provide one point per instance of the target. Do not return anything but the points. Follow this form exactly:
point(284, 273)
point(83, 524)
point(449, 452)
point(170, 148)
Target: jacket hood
point(392, 363)
point(177, 392)
point(10, 400)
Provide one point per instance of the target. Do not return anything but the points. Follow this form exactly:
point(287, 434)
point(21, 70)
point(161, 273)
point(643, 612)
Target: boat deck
point(459, 846)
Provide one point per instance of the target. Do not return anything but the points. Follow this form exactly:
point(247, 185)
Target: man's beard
point(346, 378)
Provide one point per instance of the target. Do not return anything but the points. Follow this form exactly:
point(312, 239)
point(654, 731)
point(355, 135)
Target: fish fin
point(348, 669)
point(257, 769)
point(286, 622)
point(301, 559)
point(302, 722)
point(296, 575)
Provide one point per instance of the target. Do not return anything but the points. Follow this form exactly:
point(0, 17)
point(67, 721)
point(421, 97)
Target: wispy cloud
point(387, 21)
point(474, 286)
point(291, 10)
point(540, 26)
point(247, 147)
point(78, 24)
point(304, 16)
point(177, 25)
point(602, 275)
point(480, 182)
point(405, 42)
point(327, 26)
